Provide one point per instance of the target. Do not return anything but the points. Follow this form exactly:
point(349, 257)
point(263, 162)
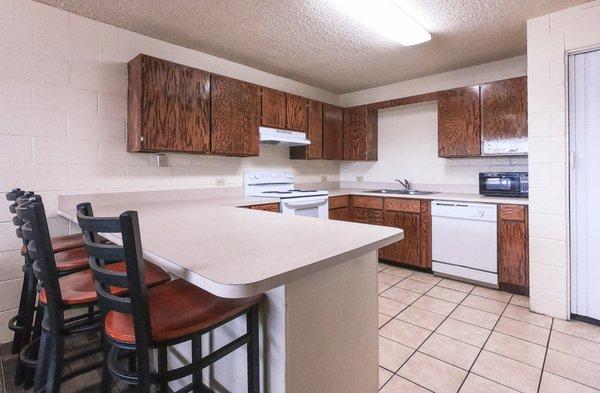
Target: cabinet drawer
point(367, 202)
point(271, 207)
point(338, 201)
point(403, 205)
point(512, 212)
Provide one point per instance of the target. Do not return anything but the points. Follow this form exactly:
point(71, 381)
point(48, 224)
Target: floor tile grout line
point(545, 356)
point(572, 335)
point(417, 350)
point(483, 346)
point(572, 380)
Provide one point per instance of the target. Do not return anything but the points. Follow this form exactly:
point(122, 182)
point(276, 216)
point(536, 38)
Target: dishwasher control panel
point(468, 211)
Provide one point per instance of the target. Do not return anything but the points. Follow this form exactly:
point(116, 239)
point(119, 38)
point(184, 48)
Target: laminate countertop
point(231, 251)
point(442, 196)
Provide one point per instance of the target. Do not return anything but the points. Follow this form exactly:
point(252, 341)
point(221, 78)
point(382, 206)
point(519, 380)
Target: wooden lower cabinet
point(513, 248)
point(270, 207)
point(365, 215)
point(339, 208)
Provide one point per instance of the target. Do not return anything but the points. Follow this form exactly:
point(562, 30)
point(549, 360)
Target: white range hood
point(275, 136)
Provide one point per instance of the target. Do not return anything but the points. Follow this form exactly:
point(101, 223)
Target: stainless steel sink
point(401, 192)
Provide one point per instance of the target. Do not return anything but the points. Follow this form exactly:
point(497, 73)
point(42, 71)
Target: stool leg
point(196, 357)
point(25, 321)
point(163, 385)
point(105, 381)
point(37, 331)
point(252, 349)
point(48, 373)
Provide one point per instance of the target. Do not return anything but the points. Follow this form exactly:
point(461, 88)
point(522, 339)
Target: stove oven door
point(315, 206)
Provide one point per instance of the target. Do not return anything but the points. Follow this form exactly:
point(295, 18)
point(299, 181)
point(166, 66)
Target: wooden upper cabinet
point(315, 134)
point(273, 108)
point(360, 133)
point(168, 107)
point(504, 117)
point(235, 108)
point(297, 113)
point(333, 132)
point(459, 125)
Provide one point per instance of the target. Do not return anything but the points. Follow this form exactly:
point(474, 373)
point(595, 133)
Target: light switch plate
point(360, 178)
point(160, 160)
point(220, 181)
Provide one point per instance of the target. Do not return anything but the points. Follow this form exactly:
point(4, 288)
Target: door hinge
point(141, 138)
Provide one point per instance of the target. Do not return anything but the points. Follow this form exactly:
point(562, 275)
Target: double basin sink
point(401, 192)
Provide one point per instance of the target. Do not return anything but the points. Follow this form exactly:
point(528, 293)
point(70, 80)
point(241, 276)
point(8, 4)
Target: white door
point(584, 126)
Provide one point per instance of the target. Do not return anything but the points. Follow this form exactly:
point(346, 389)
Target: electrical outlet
point(323, 179)
point(360, 178)
point(160, 160)
point(220, 181)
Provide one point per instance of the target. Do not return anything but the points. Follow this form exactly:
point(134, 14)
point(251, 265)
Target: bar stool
point(156, 318)
point(59, 294)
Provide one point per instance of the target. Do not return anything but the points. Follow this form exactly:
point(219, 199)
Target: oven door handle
point(305, 205)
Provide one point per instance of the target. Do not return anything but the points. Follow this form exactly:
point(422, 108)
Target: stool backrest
point(39, 248)
point(135, 302)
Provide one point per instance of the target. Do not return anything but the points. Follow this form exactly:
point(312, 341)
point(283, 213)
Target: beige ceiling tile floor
point(390, 307)
point(432, 373)
point(573, 368)
point(520, 300)
point(523, 314)
point(516, 349)
point(476, 384)
point(425, 277)
point(476, 317)
point(577, 328)
point(456, 285)
point(382, 287)
point(415, 286)
point(554, 384)
point(484, 304)
point(507, 372)
point(437, 306)
point(423, 318)
point(523, 330)
point(580, 347)
point(392, 354)
point(399, 271)
point(400, 385)
point(405, 333)
point(384, 376)
point(447, 294)
point(389, 279)
point(492, 294)
point(383, 319)
point(401, 295)
point(449, 350)
point(464, 332)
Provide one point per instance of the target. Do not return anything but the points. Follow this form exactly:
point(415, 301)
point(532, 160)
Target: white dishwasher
point(465, 242)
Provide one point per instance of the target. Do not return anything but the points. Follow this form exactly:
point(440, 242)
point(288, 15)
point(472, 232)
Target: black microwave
point(504, 184)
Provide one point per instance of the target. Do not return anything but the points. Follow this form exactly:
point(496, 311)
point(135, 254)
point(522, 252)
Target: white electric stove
point(280, 184)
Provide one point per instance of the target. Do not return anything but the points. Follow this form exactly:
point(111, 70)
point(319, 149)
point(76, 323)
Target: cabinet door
point(407, 250)
point(269, 207)
point(360, 133)
point(333, 132)
point(367, 216)
point(459, 128)
point(513, 248)
point(504, 117)
point(168, 106)
point(340, 214)
point(235, 117)
point(273, 108)
point(315, 134)
point(297, 113)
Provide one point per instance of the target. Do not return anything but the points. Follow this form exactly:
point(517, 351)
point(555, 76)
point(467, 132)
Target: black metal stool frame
point(136, 304)
point(55, 327)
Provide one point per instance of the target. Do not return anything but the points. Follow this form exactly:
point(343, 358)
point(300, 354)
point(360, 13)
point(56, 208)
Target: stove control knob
point(289, 175)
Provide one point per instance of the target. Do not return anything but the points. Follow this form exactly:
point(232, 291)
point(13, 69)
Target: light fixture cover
point(386, 17)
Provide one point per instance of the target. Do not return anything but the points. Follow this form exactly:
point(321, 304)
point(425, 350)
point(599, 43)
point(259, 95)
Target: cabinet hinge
point(141, 138)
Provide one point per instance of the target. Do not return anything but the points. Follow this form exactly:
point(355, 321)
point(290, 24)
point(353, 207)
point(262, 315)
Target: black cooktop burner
point(305, 190)
point(278, 192)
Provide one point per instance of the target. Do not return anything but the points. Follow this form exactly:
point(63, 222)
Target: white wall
point(407, 138)
point(549, 39)
point(63, 85)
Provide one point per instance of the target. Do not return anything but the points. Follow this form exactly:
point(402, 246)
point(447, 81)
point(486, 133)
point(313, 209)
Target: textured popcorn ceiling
point(312, 42)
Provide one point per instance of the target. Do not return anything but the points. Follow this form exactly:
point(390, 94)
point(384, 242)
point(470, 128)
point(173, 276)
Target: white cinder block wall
point(63, 85)
point(549, 39)
point(408, 135)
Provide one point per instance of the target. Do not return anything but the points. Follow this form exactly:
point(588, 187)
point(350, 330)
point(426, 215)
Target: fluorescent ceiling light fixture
point(387, 18)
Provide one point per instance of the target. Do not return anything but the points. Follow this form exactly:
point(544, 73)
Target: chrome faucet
point(405, 183)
